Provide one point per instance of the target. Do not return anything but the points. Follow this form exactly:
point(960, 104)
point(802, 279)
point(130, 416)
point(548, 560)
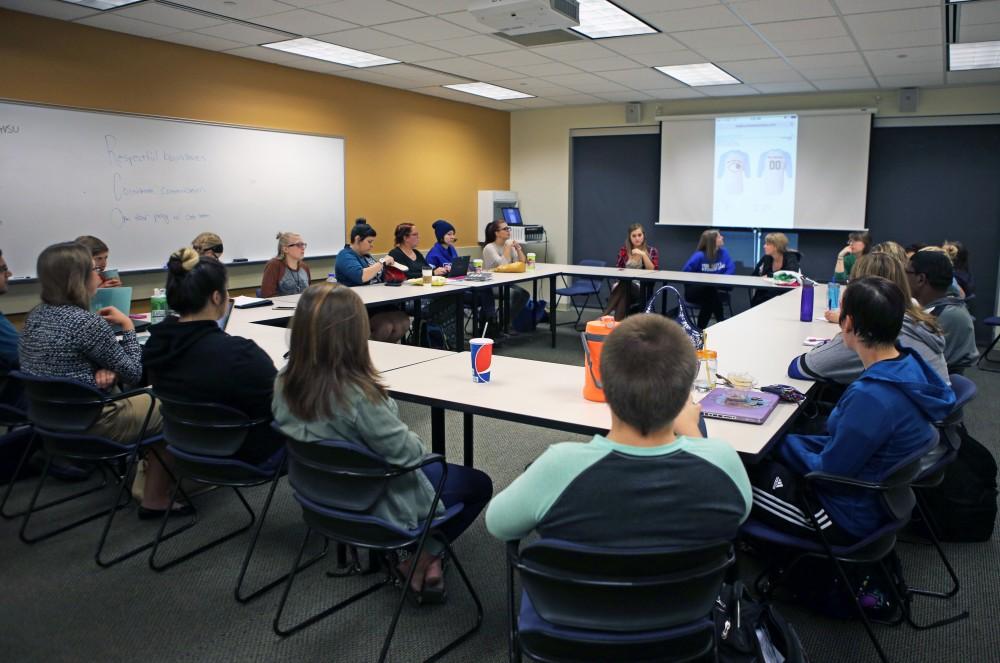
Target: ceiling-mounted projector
point(521, 17)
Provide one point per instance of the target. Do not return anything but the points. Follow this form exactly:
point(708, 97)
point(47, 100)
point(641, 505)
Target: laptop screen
point(512, 216)
point(224, 320)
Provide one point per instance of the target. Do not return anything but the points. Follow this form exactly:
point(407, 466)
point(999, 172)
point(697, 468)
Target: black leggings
point(708, 300)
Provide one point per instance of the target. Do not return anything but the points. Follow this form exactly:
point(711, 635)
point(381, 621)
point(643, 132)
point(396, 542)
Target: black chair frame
point(69, 440)
point(697, 645)
point(596, 284)
point(359, 541)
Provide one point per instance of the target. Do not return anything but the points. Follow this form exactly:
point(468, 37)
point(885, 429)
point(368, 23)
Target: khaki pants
point(122, 420)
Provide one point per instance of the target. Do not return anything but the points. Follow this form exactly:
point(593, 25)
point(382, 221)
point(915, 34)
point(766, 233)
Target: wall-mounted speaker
point(633, 112)
point(909, 97)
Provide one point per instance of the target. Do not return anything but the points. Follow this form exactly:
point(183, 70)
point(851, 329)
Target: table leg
point(534, 298)
point(459, 323)
point(467, 439)
point(552, 310)
point(437, 431)
point(417, 307)
point(504, 308)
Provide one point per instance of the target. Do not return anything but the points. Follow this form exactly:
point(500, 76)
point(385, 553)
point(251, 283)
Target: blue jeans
point(472, 487)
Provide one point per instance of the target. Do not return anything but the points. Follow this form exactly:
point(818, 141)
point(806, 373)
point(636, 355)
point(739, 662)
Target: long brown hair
point(328, 353)
point(889, 267)
point(707, 244)
point(63, 271)
point(628, 240)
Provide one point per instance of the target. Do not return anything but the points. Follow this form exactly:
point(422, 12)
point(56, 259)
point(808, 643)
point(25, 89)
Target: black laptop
point(459, 267)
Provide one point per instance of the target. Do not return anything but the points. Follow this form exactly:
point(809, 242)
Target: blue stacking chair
point(202, 438)
point(587, 603)
point(337, 483)
point(897, 496)
point(582, 287)
point(62, 411)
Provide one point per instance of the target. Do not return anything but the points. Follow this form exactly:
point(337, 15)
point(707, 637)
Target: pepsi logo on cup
point(482, 358)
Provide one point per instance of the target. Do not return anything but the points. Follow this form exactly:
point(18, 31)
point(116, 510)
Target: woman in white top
point(501, 249)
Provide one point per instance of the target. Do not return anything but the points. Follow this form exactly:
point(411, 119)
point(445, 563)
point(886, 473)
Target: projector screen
point(795, 170)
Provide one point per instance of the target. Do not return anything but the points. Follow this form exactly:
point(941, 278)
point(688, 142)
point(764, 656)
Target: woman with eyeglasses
point(355, 266)
point(331, 391)
point(287, 272)
point(63, 339)
point(406, 255)
point(502, 249)
point(208, 245)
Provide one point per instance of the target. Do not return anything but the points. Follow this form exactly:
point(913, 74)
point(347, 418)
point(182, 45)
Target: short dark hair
point(95, 245)
point(862, 236)
point(934, 265)
point(876, 307)
point(191, 280)
point(647, 369)
point(362, 230)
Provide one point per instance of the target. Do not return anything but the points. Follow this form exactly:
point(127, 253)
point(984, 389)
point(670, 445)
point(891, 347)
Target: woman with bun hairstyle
point(63, 339)
point(331, 391)
point(208, 244)
point(191, 358)
point(355, 266)
point(287, 272)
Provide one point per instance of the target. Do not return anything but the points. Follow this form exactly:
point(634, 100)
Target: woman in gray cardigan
point(330, 391)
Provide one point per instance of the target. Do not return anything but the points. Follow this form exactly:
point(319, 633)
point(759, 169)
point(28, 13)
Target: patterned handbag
point(683, 317)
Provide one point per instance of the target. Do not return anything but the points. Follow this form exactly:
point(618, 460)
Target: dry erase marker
point(240, 260)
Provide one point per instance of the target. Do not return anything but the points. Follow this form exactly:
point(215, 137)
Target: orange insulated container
point(593, 340)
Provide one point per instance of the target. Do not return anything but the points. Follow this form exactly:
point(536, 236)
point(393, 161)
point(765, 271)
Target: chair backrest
point(965, 391)
point(898, 496)
point(61, 405)
point(206, 429)
point(11, 412)
point(338, 474)
point(622, 590)
point(592, 262)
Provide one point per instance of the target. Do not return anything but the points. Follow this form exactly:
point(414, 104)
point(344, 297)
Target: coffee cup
point(428, 275)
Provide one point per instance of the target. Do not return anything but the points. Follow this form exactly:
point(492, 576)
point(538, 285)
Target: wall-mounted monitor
point(512, 215)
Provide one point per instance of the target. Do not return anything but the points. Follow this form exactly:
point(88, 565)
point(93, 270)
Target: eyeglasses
point(298, 245)
point(500, 230)
point(3, 268)
point(214, 249)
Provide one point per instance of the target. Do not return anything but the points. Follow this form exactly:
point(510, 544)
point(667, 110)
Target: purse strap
point(683, 315)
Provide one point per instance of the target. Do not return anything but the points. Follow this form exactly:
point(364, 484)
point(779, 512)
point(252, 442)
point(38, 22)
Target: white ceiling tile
point(305, 3)
point(418, 76)
point(815, 46)
point(169, 16)
point(904, 20)
point(577, 100)
point(755, 66)
point(784, 88)
point(516, 58)
point(642, 44)
point(683, 92)
point(475, 45)
point(412, 53)
point(977, 13)
point(50, 8)
point(585, 83)
point(713, 16)
point(642, 79)
point(919, 60)
point(761, 11)
point(363, 39)
point(973, 33)
point(668, 58)
point(973, 76)
point(535, 86)
point(243, 34)
point(697, 39)
point(536, 102)
point(425, 29)
point(863, 6)
point(757, 77)
point(263, 54)
point(736, 52)
point(554, 69)
point(900, 39)
point(304, 22)
point(469, 68)
point(606, 64)
point(467, 21)
point(803, 62)
point(912, 80)
point(131, 26)
point(624, 97)
point(643, 6)
point(243, 9)
point(366, 12)
point(199, 40)
point(574, 52)
point(856, 83)
point(827, 73)
point(728, 90)
point(435, 6)
point(815, 28)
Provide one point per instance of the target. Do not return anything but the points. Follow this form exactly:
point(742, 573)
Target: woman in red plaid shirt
point(636, 254)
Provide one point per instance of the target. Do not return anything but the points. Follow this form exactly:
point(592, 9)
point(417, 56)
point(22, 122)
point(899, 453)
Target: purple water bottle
point(806, 309)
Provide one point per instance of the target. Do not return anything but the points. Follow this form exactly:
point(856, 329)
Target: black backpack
point(738, 618)
point(964, 506)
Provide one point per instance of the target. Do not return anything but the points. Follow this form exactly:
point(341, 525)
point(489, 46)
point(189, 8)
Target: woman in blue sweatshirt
point(884, 417)
point(710, 258)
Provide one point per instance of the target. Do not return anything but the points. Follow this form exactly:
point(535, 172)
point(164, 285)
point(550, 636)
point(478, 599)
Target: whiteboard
point(148, 185)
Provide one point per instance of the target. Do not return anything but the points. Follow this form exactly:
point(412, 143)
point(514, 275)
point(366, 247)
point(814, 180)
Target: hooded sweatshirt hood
point(170, 340)
point(917, 381)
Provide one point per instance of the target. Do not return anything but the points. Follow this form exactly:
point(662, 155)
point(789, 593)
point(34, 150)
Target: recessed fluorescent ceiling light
point(978, 55)
point(102, 4)
point(321, 50)
point(600, 19)
point(489, 91)
point(699, 74)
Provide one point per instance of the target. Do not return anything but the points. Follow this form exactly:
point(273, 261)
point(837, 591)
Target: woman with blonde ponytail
point(287, 272)
point(191, 358)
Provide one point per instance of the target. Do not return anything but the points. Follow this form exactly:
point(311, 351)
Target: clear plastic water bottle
point(331, 277)
point(833, 296)
point(806, 308)
point(158, 305)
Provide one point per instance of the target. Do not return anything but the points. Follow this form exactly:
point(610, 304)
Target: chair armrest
point(826, 477)
point(132, 392)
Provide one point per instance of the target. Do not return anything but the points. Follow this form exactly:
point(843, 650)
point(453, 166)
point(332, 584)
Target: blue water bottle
point(806, 309)
point(833, 296)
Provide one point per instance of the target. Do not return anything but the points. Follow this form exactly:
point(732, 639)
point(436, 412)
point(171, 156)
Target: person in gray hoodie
point(837, 363)
point(930, 274)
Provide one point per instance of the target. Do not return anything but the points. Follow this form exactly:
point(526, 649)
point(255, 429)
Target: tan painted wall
point(540, 139)
point(409, 157)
